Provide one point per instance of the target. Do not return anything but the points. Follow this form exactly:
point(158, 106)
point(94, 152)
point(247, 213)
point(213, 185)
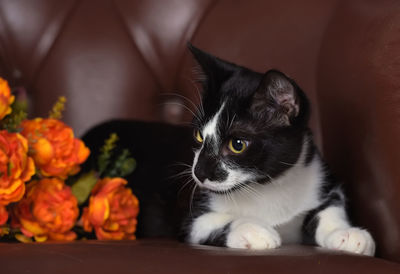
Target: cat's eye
point(198, 136)
point(237, 146)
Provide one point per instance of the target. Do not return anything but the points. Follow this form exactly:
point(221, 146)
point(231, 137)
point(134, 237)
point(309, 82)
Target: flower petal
point(3, 215)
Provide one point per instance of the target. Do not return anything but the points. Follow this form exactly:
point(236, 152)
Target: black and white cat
point(261, 180)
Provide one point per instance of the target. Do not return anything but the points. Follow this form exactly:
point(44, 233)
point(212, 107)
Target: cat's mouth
point(236, 179)
point(217, 187)
point(213, 186)
point(225, 190)
point(220, 187)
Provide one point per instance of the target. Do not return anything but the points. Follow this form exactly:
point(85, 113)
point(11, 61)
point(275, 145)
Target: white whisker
point(191, 200)
point(231, 123)
point(252, 191)
point(233, 200)
point(287, 163)
point(185, 98)
point(201, 107)
point(181, 164)
point(182, 105)
point(181, 174)
point(187, 183)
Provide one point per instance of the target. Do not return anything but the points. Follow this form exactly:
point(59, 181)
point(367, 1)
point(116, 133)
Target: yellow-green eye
point(237, 146)
point(198, 136)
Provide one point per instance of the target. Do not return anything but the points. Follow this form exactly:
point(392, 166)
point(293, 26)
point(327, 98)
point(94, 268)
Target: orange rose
point(112, 210)
point(3, 215)
point(15, 167)
point(6, 99)
point(47, 211)
point(55, 150)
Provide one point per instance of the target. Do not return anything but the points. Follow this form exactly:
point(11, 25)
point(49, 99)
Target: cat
point(260, 180)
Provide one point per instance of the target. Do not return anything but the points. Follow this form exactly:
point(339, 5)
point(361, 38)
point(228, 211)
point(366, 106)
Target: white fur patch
point(210, 129)
point(330, 219)
point(250, 234)
point(351, 239)
point(204, 225)
point(291, 232)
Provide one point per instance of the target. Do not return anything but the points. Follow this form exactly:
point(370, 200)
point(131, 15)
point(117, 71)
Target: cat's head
point(250, 126)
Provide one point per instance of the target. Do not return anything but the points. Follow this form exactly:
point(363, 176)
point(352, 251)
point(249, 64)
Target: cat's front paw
point(253, 236)
point(352, 240)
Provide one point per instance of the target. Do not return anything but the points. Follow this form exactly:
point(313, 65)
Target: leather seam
point(63, 24)
point(134, 44)
point(9, 65)
point(200, 22)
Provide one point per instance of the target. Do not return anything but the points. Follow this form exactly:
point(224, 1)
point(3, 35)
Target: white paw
point(253, 236)
point(351, 239)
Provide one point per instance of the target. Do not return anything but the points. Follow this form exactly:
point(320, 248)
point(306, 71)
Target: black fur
point(311, 220)
point(218, 237)
point(209, 167)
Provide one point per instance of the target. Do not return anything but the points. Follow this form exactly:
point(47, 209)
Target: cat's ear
point(214, 70)
point(277, 97)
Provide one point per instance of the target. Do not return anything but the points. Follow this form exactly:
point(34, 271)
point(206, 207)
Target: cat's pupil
point(237, 144)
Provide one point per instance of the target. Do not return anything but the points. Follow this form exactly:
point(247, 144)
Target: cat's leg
point(333, 231)
point(210, 229)
point(252, 234)
point(220, 229)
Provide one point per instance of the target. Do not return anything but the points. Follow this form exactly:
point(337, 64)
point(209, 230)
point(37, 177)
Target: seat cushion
point(168, 256)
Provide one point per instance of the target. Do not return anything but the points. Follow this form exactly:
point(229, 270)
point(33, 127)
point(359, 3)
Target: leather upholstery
point(358, 89)
point(166, 256)
point(123, 58)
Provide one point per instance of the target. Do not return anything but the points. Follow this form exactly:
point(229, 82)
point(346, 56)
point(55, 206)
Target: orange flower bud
point(15, 167)
point(48, 211)
point(112, 210)
point(53, 147)
point(6, 99)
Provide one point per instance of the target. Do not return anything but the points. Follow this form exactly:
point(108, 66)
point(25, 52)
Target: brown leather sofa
point(123, 58)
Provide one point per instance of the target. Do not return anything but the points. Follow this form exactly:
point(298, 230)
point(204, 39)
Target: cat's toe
point(352, 239)
point(253, 236)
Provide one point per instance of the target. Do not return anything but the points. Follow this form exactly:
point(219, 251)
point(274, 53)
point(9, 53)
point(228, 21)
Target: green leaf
point(103, 160)
point(84, 185)
point(122, 166)
point(12, 122)
point(128, 166)
point(58, 108)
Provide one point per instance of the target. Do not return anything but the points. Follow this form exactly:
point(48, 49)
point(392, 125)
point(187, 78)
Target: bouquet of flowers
point(41, 196)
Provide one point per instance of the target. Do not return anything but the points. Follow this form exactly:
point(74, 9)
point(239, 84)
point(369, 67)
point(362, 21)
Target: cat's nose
point(200, 173)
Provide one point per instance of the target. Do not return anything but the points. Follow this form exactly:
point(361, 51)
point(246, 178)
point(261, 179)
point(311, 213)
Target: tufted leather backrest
point(123, 58)
point(120, 59)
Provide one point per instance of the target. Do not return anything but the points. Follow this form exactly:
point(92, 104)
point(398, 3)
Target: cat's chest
point(278, 202)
